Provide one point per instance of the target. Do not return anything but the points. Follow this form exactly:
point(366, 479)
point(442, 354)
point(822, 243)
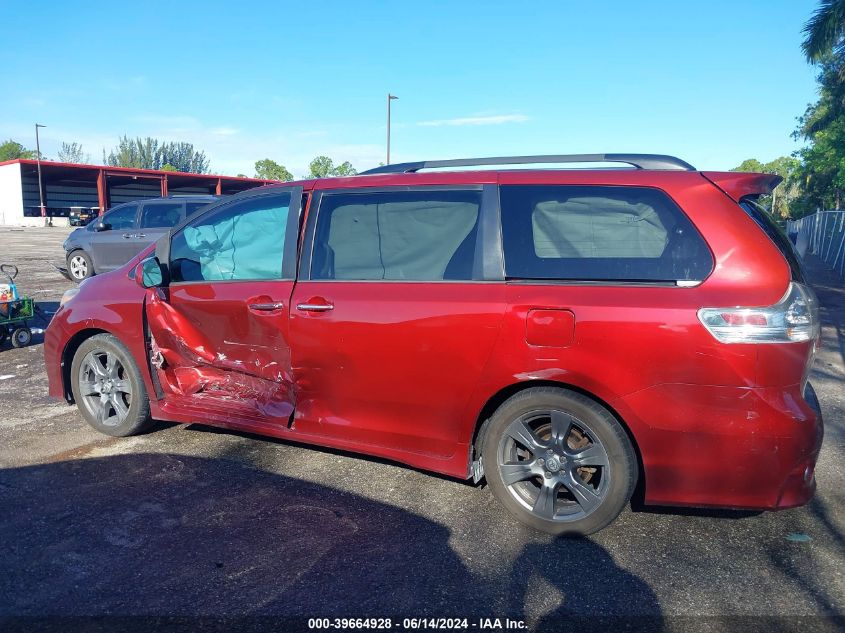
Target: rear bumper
point(750, 448)
point(800, 484)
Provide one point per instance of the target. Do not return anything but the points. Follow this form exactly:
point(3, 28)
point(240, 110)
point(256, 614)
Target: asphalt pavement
point(189, 520)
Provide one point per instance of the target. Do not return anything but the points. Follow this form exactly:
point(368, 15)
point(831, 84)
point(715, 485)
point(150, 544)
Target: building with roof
point(67, 186)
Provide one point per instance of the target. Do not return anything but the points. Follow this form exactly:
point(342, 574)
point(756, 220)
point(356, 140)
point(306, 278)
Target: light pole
point(40, 188)
point(390, 98)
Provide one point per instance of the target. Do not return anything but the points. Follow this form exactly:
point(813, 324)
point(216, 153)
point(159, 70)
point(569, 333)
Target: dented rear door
point(219, 330)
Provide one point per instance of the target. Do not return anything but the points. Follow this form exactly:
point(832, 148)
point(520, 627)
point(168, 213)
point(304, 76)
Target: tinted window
point(122, 217)
point(190, 207)
point(599, 233)
point(402, 235)
point(161, 215)
point(767, 223)
point(243, 240)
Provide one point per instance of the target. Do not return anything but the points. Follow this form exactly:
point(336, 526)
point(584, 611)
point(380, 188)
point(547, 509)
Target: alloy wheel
point(554, 465)
point(105, 387)
point(78, 267)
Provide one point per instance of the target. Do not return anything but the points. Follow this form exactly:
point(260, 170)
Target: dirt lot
point(189, 520)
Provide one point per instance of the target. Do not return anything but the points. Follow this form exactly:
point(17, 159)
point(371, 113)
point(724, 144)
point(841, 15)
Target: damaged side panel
point(213, 352)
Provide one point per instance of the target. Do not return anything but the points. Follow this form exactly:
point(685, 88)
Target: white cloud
point(493, 119)
point(230, 149)
point(223, 131)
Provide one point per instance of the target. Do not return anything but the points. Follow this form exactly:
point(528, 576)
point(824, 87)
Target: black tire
point(79, 265)
point(21, 337)
point(111, 398)
point(574, 486)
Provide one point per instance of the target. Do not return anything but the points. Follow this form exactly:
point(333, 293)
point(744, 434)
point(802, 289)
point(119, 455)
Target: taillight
point(794, 318)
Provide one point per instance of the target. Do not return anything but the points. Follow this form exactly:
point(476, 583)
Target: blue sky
point(713, 83)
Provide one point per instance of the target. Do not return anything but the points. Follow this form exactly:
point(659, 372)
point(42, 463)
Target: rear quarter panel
point(629, 339)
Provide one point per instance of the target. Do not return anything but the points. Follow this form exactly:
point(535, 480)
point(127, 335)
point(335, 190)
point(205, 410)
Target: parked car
point(81, 216)
point(124, 231)
point(569, 335)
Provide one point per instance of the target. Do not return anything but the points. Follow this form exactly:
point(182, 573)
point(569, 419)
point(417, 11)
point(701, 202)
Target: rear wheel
point(79, 265)
point(558, 461)
point(108, 388)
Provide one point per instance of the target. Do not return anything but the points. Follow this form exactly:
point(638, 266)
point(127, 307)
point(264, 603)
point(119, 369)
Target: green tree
point(345, 169)
point(323, 167)
point(72, 153)
point(151, 153)
point(783, 200)
point(751, 165)
point(823, 167)
point(10, 150)
point(824, 32)
point(271, 170)
point(822, 171)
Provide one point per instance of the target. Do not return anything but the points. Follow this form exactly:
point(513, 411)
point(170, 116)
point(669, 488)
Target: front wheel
point(558, 461)
point(108, 388)
point(79, 265)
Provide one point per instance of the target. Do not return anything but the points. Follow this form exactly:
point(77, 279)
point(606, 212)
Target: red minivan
point(564, 334)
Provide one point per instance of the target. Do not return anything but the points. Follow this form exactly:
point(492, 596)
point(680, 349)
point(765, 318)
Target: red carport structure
point(68, 185)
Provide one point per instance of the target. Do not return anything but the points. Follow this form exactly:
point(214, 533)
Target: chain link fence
point(822, 234)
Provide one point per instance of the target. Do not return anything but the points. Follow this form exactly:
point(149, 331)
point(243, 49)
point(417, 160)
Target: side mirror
point(148, 273)
point(102, 226)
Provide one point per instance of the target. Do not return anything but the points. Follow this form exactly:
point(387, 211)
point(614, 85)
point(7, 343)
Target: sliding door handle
point(314, 307)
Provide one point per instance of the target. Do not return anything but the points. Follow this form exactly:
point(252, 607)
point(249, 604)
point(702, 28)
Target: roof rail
point(639, 161)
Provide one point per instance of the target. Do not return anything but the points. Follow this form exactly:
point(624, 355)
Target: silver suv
point(123, 232)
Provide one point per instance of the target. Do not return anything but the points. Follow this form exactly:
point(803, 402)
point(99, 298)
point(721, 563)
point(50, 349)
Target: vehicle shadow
point(170, 535)
point(576, 581)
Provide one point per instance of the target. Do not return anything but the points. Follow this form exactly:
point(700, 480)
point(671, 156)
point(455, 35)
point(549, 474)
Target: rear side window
point(762, 218)
point(401, 235)
point(599, 233)
point(161, 215)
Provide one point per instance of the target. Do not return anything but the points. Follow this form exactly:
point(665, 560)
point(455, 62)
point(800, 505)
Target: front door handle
point(314, 307)
point(140, 235)
point(266, 307)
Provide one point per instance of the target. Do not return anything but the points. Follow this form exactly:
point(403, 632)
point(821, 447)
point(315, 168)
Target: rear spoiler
point(737, 184)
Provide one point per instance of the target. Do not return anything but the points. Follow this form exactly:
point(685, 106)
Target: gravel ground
point(188, 520)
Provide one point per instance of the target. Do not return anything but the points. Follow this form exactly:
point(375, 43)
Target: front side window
point(161, 215)
point(599, 233)
point(401, 235)
point(241, 241)
point(122, 217)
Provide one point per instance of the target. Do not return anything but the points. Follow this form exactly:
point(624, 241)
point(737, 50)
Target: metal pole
point(841, 243)
point(826, 253)
point(40, 187)
point(833, 231)
point(390, 98)
point(821, 236)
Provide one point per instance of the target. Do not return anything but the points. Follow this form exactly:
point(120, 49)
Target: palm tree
point(824, 33)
